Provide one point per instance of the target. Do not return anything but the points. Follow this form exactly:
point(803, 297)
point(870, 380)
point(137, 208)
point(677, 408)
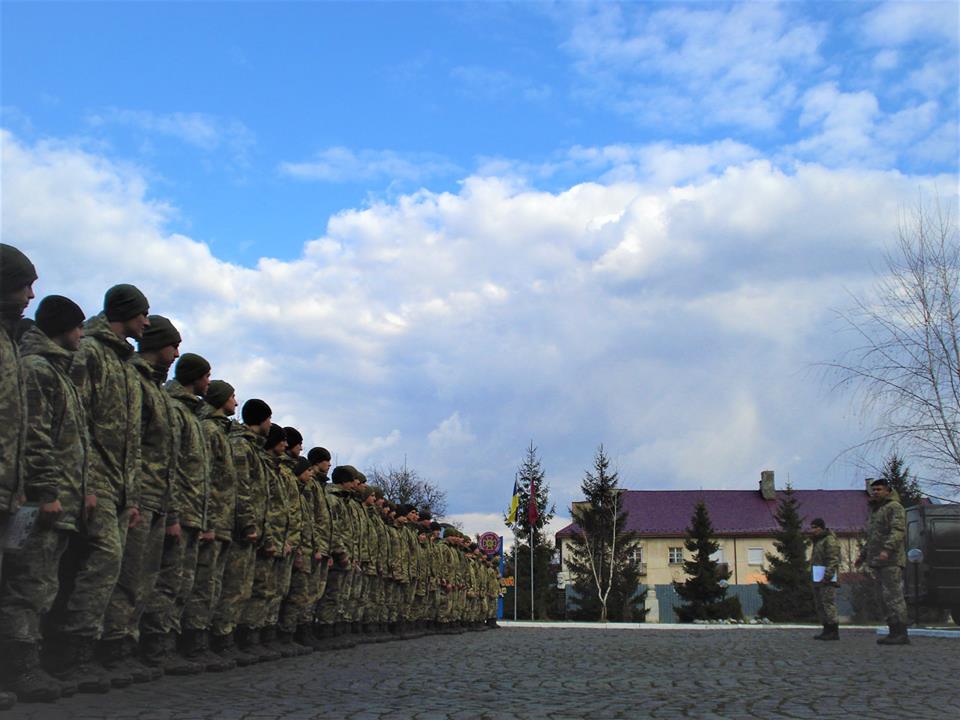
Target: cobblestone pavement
point(562, 673)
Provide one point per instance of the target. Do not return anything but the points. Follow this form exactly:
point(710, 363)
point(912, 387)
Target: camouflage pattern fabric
point(891, 594)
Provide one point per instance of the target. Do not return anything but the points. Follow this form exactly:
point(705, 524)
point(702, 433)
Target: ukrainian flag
point(514, 502)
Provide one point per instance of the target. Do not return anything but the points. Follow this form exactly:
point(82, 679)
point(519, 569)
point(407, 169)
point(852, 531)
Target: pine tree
point(605, 579)
point(705, 589)
point(531, 471)
point(896, 472)
point(788, 593)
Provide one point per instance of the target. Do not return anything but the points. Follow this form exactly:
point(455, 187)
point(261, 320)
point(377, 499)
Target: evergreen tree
point(606, 580)
point(896, 472)
point(705, 589)
point(788, 593)
point(531, 471)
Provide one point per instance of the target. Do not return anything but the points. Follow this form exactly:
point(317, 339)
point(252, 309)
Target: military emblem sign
point(489, 543)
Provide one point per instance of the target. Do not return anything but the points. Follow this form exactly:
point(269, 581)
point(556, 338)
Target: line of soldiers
point(169, 537)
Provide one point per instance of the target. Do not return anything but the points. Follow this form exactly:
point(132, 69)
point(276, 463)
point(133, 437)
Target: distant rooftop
point(659, 513)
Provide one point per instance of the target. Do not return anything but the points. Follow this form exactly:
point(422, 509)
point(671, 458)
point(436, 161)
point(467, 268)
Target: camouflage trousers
point(891, 594)
point(408, 596)
point(327, 609)
point(263, 590)
point(178, 565)
point(825, 599)
point(30, 583)
point(88, 573)
point(142, 556)
point(198, 611)
point(237, 587)
point(306, 588)
point(349, 592)
point(371, 598)
point(284, 577)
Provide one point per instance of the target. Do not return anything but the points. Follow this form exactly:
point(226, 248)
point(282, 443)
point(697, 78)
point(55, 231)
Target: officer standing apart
point(884, 553)
point(826, 554)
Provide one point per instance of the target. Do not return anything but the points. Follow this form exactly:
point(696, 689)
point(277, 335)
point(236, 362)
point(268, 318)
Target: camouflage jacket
point(13, 428)
point(159, 444)
point(826, 552)
point(291, 500)
point(56, 452)
point(223, 476)
point(885, 531)
point(349, 528)
point(111, 393)
point(193, 458)
point(253, 486)
point(324, 537)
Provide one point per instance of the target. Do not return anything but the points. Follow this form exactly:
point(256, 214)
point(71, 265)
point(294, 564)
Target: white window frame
point(671, 555)
point(750, 556)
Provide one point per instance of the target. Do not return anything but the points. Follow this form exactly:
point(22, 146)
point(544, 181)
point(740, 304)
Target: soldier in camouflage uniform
point(333, 537)
point(111, 393)
point(251, 466)
point(160, 623)
point(143, 552)
point(17, 275)
point(332, 609)
point(826, 552)
point(220, 404)
point(56, 439)
point(884, 553)
point(253, 633)
point(297, 607)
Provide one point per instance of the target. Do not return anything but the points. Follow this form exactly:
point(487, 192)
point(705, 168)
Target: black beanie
point(218, 393)
point(294, 437)
point(818, 522)
point(255, 412)
point(16, 270)
point(160, 334)
point(274, 437)
point(318, 455)
point(57, 315)
point(190, 368)
point(342, 474)
point(301, 466)
point(123, 302)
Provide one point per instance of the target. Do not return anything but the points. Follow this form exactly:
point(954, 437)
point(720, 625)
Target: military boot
point(23, 675)
point(287, 641)
point(898, 635)
point(831, 632)
point(226, 647)
point(270, 640)
point(138, 668)
point(325, 637)
point(210, 660)
point(819, 636)
point(159, 650)
point(247, 640)
point(113, 657)
point(306, 637)
point(7, 700)
point(69, 658)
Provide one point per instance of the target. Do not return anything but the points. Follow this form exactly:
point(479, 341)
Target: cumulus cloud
point(341, 164)
point(672, 322)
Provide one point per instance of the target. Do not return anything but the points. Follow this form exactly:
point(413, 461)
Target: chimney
point(767, 488)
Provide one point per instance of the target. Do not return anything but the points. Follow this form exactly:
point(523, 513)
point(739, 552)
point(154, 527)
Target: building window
point(675, 555)
point(635, 555)
point(755, 556)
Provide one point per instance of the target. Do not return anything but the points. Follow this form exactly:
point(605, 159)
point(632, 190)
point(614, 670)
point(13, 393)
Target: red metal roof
point(654, 513)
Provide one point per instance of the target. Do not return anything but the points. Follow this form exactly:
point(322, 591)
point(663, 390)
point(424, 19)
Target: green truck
point(933, 574)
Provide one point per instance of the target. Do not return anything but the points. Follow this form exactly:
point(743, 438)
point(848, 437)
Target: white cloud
point(672, 323)
point(340, 164)
point(202, 130)
point(898, 23)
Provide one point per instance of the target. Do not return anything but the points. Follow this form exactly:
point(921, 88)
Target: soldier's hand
point(268, 550)
point(133, 517)
point(173, 531)
point(858, 562)
point(287, 549)
point(49, 512)
point(89, 503)
point(207, 536)
point(252, 536)
point(884, 555)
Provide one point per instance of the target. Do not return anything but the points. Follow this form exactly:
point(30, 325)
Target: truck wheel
point(955, 613)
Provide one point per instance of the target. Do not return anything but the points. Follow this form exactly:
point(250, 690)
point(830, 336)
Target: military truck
point(935, 531)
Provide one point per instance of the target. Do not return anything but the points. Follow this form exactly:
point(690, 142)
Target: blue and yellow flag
point(514, 502)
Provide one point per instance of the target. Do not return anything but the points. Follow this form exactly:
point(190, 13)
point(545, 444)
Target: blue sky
point(461, 226)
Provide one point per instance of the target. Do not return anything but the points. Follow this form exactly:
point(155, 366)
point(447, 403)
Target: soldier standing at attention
point(220, 404)
point(160, 623)
point(826, 553)
point(110, 390)
point(56, 439)
point(884, 553)
point(252, 498)
point(143, 552)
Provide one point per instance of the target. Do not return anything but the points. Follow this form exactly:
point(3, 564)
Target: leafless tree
point(906, 366)
point(404, 485)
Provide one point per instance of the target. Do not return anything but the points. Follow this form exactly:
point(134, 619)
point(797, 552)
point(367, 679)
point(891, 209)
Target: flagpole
point(516, 574)
point(531, 572)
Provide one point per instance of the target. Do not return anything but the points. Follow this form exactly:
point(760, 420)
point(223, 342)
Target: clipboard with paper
point(819, 571)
